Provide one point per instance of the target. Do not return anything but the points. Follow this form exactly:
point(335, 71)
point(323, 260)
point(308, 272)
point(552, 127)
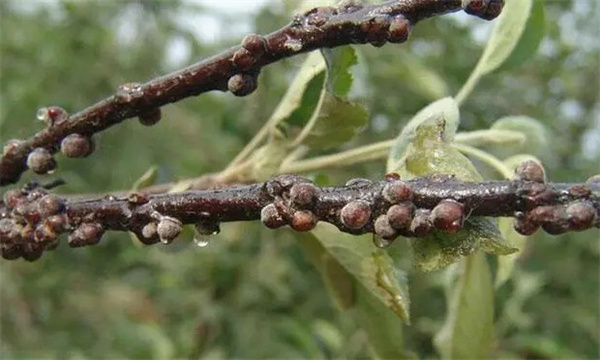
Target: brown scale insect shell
point(539, 194)
point(487, 10)
point(524, 226)
point(40, 161)
point(375, 29)
point(303, 194)
point(11, 146)
point(11, 251)
point(397, 191)
point(50, 205)
point(530, 171)
point(242, 84)
point(57, 223)
point(9, 231)
point(45, 234)
point(32, 251)
point(86, 234)
point(255, 44)
point(355, 214)
point(399, 30)
point(147, 234)
point(271, 217)
point(580, 191)
point(243, 59)
point(400, 215)
point(421, 224)
point(384, 229)
point(76, 146)
point(136, 198)
point(319, 16)
point(12, 197)
point(554, 219)
point(303, 221)
point(581, 216)
point(448, 216)
point(150, 117)
point(168, 229)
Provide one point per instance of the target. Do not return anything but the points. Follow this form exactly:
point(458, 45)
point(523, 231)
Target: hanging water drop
point(203, 231)
point(42, 114)
point(201, 240)
point(381, 242)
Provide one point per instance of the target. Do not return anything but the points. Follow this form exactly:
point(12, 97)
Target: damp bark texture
point(234, 70)
point(32, 218)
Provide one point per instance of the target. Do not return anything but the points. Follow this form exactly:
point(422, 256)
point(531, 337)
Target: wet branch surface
point(234, 70)
point(31, 219)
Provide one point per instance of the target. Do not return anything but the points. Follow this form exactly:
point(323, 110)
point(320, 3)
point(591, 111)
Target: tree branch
point(31, 219)
point(235, 70)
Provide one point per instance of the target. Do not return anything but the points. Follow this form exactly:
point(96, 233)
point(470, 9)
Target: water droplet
point(380, 242)
point(164, 241)
point(207, 227)
point(42, 114)
point(201, 240)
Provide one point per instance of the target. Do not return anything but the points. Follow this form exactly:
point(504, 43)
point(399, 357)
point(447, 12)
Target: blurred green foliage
point(252, 293)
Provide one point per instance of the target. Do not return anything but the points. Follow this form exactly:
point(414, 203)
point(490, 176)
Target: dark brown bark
point(31, 219)
point(234, 69)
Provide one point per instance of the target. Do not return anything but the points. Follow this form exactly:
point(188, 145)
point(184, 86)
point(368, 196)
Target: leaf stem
point(486, 158)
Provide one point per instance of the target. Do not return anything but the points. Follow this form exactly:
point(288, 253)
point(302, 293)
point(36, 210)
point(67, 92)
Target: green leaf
point(468, 330)
point(506, 35)
point(419, 77)
point(530, 40)
point(312, 93)
point(509, 28)
point(339, 61)
point(267, 159)
point(506, 264)
point(368, 265)
point(294, 98)
point(445, 109)
point(334, 120)
point(439, 249)
point(337, 122)
point(513, 161)
point(381, 325)
point(147, 179)
point(537, 135)
point(429, 152)
point(496, 137)
point(363, 280)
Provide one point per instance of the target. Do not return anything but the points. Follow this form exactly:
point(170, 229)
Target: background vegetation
point(252, 293)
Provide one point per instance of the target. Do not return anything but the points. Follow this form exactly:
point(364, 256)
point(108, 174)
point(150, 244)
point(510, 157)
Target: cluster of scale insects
point(388, 214)
point(331, 25)
point(31, 219)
